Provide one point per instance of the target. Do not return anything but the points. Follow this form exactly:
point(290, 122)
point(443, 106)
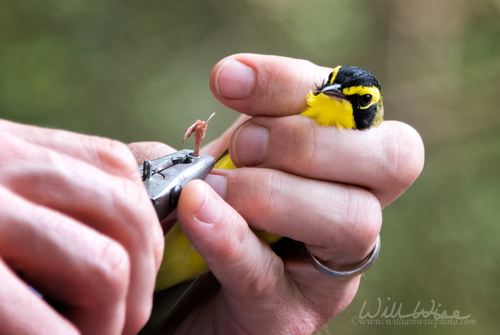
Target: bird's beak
point(334, 91)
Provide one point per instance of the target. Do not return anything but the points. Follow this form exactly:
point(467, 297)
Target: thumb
point(244, 265)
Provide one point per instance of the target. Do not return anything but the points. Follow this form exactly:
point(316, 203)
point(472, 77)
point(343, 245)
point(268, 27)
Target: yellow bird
point(350, 98)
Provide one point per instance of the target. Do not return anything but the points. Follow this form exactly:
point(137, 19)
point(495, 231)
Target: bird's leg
point(199, 129)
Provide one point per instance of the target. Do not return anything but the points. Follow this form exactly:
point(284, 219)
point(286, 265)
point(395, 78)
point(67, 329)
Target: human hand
point(316, 185)
point(77, 224)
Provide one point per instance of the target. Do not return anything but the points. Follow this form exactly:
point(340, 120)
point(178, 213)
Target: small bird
point(350, 98)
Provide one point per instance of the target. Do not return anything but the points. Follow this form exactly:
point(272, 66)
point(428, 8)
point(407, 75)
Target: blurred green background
point(128, 70)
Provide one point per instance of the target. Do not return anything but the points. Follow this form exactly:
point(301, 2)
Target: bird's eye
point(365, 100)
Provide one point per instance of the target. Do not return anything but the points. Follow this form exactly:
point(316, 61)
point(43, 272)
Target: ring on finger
point(349, 273)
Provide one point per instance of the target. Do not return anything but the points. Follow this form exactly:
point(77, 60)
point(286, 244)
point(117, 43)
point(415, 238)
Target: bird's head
point(350, 98)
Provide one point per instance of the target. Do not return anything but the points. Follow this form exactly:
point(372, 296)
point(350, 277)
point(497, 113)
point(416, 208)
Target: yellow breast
point(329, 112)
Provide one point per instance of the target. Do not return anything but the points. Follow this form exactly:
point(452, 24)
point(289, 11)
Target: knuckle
point(363, 216)
point(285, 76)
point(13, 148)
point(265, 195)
point(135, 207)
point(109, 274)
point(229, 251)
point(306, 142)
point(128, 193)
point(260, 278)
point(404, 155)
point(263, 282)
point(413, 156)
point(236, 237)
point(359, 228)
point(132, 200)
point(116, 155)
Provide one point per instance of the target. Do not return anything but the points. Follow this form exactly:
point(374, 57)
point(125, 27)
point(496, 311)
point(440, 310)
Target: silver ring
point(350, 273)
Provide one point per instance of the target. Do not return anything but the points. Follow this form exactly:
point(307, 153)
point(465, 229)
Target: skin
point(77, 224)
point(89, 238)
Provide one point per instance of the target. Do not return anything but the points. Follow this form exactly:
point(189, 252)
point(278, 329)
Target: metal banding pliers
point(165, 177)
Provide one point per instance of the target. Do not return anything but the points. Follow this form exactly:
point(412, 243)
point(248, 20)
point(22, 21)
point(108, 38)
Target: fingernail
point(235, 80)
point(211, 209)
point(251, 144)
point(218, 184)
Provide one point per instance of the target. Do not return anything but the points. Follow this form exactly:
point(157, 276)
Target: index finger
point(261, 85)
point(385, 160)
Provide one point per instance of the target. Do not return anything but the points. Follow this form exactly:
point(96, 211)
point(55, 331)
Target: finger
point(117, 207)
point(386, 160)
point(339, 222)
point(82, 269)
point(242, 263)
point(22, 312)
point(265, 85)
point(149, 150)
point(64, 187)
point(256, 292)
point(216, 147)
point(109, 155)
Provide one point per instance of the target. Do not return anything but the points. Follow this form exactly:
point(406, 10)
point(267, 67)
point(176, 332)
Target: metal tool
point(165, 177)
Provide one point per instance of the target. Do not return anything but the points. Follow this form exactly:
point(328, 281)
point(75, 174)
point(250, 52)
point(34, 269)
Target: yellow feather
point(181, 262)
point(225, 163)
point(334, 74)
point(329, 112)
